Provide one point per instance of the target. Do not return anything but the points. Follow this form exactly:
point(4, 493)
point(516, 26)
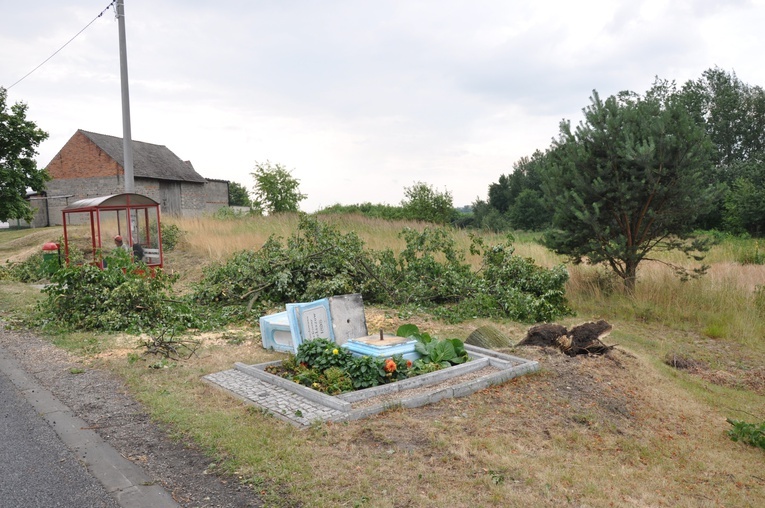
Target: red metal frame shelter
point(136, 218)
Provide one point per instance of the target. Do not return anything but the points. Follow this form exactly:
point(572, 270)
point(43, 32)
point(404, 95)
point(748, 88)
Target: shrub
point(171, 236)
point(366, 372)
point(322, 354)
point(120, 297)
point(750, 433)
point(29, 270)
point(318, 261)
point(315, 262)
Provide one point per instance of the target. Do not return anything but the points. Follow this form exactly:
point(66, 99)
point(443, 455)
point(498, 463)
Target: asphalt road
point(36, 468)
point(48, 458)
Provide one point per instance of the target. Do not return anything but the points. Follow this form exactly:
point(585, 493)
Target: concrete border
point(301, 405)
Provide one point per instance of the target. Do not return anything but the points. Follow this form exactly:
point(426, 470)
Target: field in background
point(623, 430)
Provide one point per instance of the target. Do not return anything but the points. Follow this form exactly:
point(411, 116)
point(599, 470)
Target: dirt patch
point(102, 401)
point(739, 377)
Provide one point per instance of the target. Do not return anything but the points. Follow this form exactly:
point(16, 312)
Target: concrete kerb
point(302, 406)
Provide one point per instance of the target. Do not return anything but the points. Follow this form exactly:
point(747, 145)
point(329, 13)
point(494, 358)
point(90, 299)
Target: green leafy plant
point(121, 297)
point(750, 433)
point(31, 269)
point(336, 381)
point(315, 262)
point(442, 352)
point(321, 354)
point(366, 372)
point(172, 235)
point(430, 274)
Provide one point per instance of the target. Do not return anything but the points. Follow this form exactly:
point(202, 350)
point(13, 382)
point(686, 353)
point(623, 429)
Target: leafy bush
point(335, 381)
point(423, 202)
point(29, 270)
point(366, 372)
point(315, 262)
point(750, 433)
point(511, 287)
point(443, 352)
point(419, 276)
point(121, 297)
point(321, 354)
point(318, 261)
point(171, 236)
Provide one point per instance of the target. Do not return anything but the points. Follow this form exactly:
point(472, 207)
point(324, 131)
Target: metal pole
point(127, 138)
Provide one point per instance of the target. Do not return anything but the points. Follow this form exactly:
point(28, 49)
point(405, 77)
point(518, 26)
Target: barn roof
point(149, 161)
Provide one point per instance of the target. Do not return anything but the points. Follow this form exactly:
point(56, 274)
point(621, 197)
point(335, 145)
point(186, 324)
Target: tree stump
point(585, 339)
point(545, 335)
point(581, 339)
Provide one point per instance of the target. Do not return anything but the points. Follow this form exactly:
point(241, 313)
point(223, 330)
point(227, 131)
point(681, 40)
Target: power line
point(62, 47)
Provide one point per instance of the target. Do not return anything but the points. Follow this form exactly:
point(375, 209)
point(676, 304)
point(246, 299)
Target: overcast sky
point(359, 99)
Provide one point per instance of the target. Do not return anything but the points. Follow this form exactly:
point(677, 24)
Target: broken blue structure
point(337, 318)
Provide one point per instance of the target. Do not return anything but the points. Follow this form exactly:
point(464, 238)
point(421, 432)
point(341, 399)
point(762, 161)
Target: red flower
point(390, 365)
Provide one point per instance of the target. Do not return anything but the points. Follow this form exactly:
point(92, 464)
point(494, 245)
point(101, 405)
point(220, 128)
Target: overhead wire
point(62, 47)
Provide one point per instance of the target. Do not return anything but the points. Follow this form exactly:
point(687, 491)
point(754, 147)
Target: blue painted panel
point(276, 334)
point(311, 320)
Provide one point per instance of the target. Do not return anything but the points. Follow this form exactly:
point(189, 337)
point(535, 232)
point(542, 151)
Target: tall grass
point(217, 239)
point(727, 302)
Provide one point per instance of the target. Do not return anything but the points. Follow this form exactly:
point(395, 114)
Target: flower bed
point(322, 365)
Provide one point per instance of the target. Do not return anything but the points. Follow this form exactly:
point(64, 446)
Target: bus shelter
point(94, 227)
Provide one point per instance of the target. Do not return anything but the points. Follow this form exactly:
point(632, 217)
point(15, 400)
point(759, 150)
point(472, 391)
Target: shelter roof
point(126, 199)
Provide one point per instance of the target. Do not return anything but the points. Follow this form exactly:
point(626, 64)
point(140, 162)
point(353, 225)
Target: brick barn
point(91, 165)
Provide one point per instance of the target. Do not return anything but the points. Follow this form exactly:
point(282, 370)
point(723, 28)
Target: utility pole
point(127, 138)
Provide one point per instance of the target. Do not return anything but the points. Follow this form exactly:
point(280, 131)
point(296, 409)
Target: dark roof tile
point(149, 161)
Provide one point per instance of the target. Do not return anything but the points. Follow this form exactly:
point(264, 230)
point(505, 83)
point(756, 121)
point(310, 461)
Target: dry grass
point(216, 240)
point(618, 431)
point(621, 430)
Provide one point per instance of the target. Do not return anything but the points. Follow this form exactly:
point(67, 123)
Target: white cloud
point(360, 98)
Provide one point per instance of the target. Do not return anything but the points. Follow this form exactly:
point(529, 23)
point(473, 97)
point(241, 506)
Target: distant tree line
point(422, 202)
point(731, 116)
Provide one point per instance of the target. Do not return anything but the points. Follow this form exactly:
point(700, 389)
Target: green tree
point(515, 201)
point(238, 195)
point(733, 114)
point(423, 202)
point(19, 139)
point(745, 203)
point(276, 190)
point(628, 181)
point(529, 211)
point(503, 193)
